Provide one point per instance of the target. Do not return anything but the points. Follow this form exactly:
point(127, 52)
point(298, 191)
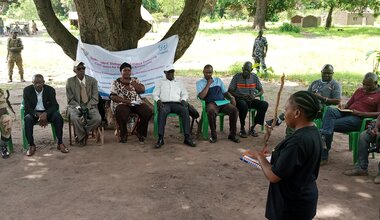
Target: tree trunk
point(116, 24)
point(260, 14)
point(329, 18)
point(186, 26)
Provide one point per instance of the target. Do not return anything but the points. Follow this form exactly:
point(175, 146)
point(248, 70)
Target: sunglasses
point(81, 68)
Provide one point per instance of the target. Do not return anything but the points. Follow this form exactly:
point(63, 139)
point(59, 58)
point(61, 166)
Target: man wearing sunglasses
point(82, 100)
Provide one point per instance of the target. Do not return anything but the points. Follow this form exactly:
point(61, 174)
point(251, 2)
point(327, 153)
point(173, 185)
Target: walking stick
point(267, 128)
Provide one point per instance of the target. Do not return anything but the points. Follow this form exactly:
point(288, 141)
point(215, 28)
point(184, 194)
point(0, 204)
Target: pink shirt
point(365, 101)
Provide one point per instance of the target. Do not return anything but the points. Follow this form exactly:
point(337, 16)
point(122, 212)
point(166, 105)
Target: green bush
point(286, 27)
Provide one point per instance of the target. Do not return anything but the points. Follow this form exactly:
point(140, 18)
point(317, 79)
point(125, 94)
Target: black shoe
point(243, 134)
point(234, 138)
point(270, 122)
point(253, 133)
point(212, 139)
point(160, 142)
point(141, 140)
point(189, 142)
point(4, 152)
point(123, 140)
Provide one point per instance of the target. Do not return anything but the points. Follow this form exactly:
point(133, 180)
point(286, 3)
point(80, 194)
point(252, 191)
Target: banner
point(147, 63)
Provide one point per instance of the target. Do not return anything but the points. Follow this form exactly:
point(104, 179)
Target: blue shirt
point(216, 90)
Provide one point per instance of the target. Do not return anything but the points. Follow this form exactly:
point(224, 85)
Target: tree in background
point(116, 25)
point(358, 6)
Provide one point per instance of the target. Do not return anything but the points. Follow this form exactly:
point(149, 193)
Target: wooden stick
point(269, 129)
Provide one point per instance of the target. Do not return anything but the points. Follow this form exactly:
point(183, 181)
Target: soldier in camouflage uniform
point(14, 56)
point(5, 126)
point(259, 52)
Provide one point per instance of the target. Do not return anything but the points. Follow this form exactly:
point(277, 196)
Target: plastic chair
point(24, 140)
point(204, 120)
point(353, 139)
point(252, 114)
point(155, 112)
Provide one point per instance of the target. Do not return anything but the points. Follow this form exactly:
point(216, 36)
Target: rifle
point(9, 103)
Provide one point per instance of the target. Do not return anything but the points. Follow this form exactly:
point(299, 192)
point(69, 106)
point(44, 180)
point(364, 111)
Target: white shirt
point(40, 104)
point(170, 91)
point(82, 81)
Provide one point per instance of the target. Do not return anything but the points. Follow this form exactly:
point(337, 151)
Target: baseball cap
point(77, 63)
point(169, 67)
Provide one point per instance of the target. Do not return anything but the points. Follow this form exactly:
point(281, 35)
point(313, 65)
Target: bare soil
point(133, 181)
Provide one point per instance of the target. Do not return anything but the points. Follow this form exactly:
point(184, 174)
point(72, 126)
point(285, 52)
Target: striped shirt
point(250, 85)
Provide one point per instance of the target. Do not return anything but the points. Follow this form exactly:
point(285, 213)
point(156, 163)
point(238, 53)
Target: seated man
point(5, 126)
point(245, 87)
point(367, 137)
point(82, 100)
point(365, 102)
point(41, 107)
point(212, 90)
point(327, 90)
point(171, 97)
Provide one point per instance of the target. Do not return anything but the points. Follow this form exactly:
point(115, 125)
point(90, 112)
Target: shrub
point(286, 27)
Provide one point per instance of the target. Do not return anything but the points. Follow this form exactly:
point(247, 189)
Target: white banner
point(147, 63)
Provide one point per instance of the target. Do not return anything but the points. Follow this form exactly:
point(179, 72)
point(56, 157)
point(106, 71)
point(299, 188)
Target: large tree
point(116, 24)
point(260, 15)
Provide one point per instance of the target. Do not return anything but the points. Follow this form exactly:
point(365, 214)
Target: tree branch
point(55, 28)
point(186, 26)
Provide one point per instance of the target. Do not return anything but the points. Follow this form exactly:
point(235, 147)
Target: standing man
point(1, 26)
point(245, 87)
point(171, 97)
point(41, 107)
point(34, 27)
point(5, 126)
point(14, 56)
point(259, 52)
point(82, 100)
point(213, 91)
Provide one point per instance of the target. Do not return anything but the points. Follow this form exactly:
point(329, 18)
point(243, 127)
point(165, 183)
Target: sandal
point(62, 148)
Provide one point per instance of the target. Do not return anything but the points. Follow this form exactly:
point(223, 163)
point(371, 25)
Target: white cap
point(169, 67)
point(77, 62)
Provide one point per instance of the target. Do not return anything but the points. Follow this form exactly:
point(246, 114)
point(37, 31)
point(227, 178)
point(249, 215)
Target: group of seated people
point(171, 96)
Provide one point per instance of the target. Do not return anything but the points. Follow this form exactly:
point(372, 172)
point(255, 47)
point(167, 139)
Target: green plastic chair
point(155, 120)
point(252, 115)
point(204, 119)
point(24, 140)
point(353, 139)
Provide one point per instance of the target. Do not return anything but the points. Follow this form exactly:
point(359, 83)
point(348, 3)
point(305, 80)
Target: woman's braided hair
point(307, 102)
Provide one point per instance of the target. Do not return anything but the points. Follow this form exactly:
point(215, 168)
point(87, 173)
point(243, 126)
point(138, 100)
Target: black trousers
point(173, 107)
point(55, 119)
point(122, 113)
point(260, 106)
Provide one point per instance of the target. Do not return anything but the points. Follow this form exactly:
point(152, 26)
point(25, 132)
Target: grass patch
point(346, 31)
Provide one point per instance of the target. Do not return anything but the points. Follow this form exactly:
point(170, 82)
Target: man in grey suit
point(82, 100)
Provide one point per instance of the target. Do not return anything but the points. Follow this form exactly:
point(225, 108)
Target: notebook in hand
point(255, 163)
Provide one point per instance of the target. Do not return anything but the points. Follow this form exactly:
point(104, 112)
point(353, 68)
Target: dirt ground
point(133, 181)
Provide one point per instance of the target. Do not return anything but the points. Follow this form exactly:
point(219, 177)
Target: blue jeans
point(334, 120)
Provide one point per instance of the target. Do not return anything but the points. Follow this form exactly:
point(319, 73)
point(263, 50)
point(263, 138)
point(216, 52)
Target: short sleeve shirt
point(260, 44)
point(249, 85)
point(331, 89)
point(296, 161)
point(216, 90)
point(365, 101)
